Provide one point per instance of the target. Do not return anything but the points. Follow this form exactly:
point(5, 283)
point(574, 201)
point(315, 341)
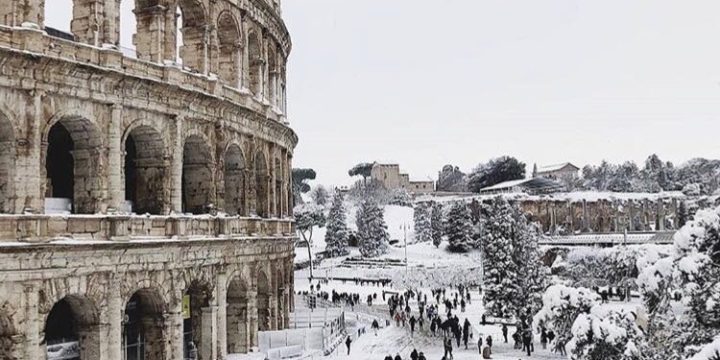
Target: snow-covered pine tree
point(336, 237)
point(532, 274)
point(501, 274)
point(372, 230)
point(436, 223)
point(459, 228)
point(421, 219)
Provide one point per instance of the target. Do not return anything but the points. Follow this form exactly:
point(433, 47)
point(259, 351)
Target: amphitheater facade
point(146, 198)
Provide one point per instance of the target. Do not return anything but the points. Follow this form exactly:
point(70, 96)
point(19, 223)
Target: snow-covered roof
point(555, 167)
point(530, 184)
point(575, 196)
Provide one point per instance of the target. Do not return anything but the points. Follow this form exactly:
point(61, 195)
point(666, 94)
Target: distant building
point(391, 178)
point(565, 172)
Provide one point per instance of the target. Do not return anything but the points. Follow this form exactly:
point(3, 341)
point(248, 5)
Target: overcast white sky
point(425, 83)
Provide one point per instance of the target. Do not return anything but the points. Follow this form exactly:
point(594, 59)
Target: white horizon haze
point(427, 83)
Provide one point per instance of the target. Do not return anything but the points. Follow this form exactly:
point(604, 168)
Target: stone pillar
point(252, 312)
point(116, 185)
point(30, 173)
point(208, 344)
point(245, 57)
point(221, 287)
point(177, 165)
point(174, 332)
point(32, 323)
point(272, 308)
point(150, 40)
point(251, 183)
point(88, 17)
point(111, 333)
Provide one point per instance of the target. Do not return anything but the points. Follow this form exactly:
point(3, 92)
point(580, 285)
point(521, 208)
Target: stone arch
point(145, 169)
point(72, 164)
point(230, 49)
point(196, 301)
point(237, 319)
point(278, 188)
point(143, 325)
point(262, 182)
point(197, 175)
point(264, 293)
point(72, 327)
point(235, 180)
point(192, 34)
point(7, 164)
point(256, 63)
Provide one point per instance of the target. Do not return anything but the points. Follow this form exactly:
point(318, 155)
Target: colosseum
point(146, 198)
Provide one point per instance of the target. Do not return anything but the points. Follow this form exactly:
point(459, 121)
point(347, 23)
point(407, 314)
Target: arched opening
point(256, 64)
point(73, 154)
point(190, 37)
point(262, 180)
point(197, 179)
point(72, 330)
point(7, 165)
point(263, 302)
point(127, 27)
point(7, 333)
point(278, 189)
point(144, 171)
point(196, 303)
point(230, 50)
point(234, 181)
point(272, 77)
point(58, 18)
point(143, 325)
point(238, 332)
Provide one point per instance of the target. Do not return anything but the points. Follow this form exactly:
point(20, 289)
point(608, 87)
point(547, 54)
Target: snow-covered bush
point(693, 272)
point(561, 306)
point(604, 335)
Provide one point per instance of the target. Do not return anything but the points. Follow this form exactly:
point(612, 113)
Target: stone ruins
point(146, 198)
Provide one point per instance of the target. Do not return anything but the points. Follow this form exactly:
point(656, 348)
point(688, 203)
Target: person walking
point(488, 341)
point(543, 338)
point(348, 341)
point(505, 332)
point(414, 355)
point(527, 340)
point(412, 325)
point(466, 332)
point(421, 356)
point(397, 357)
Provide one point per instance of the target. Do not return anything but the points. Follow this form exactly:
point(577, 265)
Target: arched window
point(143, 326)
point(58, 18)
point(197, 178)
point(144, 171)
point(256, 64)
point(230, 49)
point(191, 35)
point(72, 329)
point(72, 167)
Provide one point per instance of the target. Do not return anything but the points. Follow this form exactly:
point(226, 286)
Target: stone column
point(32, 323)
point(151, 42)
point(177, 165)
point(221, 287)
point(251, 183)
point(272, 309)
point(116, 186)
point(112, 324)
point(30, 174)
point(174, 332)
point(208, 344)
point(252, 312)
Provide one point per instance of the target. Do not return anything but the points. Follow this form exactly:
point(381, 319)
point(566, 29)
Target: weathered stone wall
point(602, 216)
point(80, 120)
point(100, 279)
